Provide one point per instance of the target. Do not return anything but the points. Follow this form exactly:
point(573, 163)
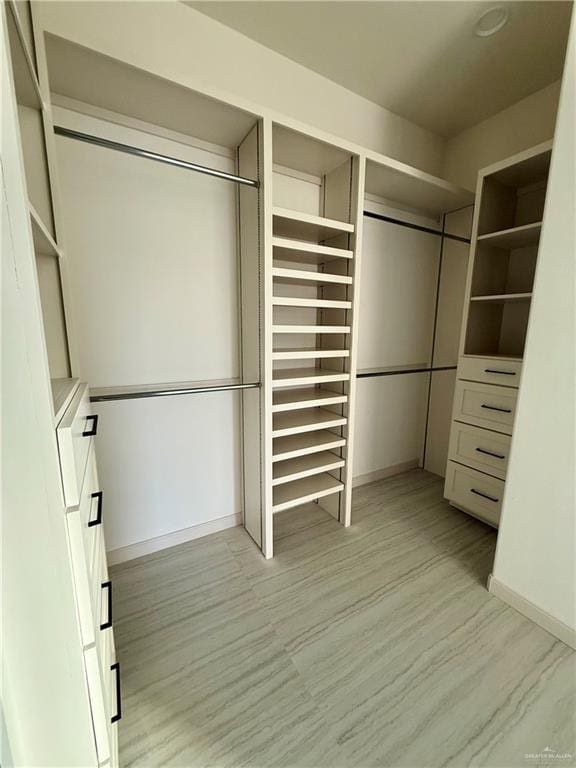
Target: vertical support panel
point(344, 200)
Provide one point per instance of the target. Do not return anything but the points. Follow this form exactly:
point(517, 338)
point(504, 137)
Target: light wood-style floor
point(372, 646)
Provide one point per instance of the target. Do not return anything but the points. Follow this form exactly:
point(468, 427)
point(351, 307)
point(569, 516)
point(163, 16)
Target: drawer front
point(479, 448)
point(104, 604)
point(91, 514)
point(475, 492)
point(490, 371)
point(485, 405)
point(82, 585)
point(75, 432)
point(98, 691)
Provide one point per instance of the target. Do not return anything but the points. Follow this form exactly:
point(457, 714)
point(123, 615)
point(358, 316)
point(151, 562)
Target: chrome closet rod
point(167, 392)
point(130, 150)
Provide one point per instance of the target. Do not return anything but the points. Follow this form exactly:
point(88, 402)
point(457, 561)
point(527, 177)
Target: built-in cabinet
point(507, 223)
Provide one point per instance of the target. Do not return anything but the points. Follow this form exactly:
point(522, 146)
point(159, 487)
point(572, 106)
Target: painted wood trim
point(552, 625)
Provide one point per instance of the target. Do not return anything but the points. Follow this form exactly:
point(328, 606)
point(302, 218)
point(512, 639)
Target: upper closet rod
point(130, 150)
point(138, 395)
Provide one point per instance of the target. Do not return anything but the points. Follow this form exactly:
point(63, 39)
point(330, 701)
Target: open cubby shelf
point(515, 237)
point(305, 443)
point(305, 466)
point(301, 491)
point(304, 397)
point(302, 276)
point(306, 226)
point(307, 420)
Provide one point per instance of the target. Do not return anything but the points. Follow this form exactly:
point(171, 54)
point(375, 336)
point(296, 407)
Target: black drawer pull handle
point(98, 519)
point(500, 373)
point(118, 716)
point(484, 495)
point(108, 623)
point(490, 453)
point(94, 429)
point(495, 408)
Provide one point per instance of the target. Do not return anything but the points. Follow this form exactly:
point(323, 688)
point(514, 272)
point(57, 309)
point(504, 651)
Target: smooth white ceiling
point(419, 59)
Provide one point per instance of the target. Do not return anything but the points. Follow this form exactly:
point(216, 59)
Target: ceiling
point(420, 59)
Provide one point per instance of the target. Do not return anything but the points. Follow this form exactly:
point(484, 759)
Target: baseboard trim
point(381, 474)
point(147, 547)
point(554, 626)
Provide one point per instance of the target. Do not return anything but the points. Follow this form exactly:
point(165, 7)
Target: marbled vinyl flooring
point(376, 645)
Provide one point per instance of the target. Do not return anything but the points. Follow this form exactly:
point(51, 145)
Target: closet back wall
point(153, 262)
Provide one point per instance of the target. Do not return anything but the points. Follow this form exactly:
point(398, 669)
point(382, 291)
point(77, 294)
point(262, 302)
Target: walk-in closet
point(228, 315)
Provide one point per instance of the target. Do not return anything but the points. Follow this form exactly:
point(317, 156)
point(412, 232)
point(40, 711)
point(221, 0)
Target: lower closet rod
point(130, 150)
point(136, 395)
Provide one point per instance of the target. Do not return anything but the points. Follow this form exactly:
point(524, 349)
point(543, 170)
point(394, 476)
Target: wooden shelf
point(309, 420)
point(293, 377)
point(503, 297)
point(44, 243)
point(305, 466)
point(316, 329)
point(305, 226)
point(502, 358)
point(297, 250)
point(302, 491)
point(309, 397)
point(301, 276)
point(516, 237)
point(62, 393)
point(305, 444)
point(309, 354)
point(28, 92)
point(290, 301)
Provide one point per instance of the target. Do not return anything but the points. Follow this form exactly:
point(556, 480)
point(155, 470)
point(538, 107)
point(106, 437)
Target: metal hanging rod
point(138, 152)
point(419, 227)
point(193, 390)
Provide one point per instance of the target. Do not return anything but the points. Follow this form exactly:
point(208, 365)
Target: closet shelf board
point(305, 444)
point(302, 491)
point(501, 358)
point(516, 237)
point(289, 301)
point(293, 377)
point(309, 354)
point(305, 466)
point(305, 226)
point(44, 243)
point(27, 86)
point(316, 329)
point(290, 249)
point(503, 297)
point(309, 420)
point(307, 397)
point(304, 276)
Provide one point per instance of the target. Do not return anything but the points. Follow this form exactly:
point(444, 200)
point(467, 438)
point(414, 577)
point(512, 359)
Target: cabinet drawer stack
point(505, 238)
point(84, 503)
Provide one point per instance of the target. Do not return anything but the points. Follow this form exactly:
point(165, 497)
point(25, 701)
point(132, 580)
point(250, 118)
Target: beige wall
point(186, 46)
point(535, 558)
point(523, 125)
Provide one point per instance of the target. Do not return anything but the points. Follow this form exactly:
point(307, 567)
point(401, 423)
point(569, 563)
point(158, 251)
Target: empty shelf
point(300, 250)
point(305, 466)
point(310, 329)
point(308, 354)
point(292, 301)
point(301, 491)
point(300, 275)
point(516, 237)
point(305, 444)
point(503, 297)
point(293, 377)
point(308, 420)
point(44, 243)
point(305, 226)
point(308, 397)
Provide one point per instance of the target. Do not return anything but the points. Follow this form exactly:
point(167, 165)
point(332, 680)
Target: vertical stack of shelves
point(314, 279)
point(505, 239)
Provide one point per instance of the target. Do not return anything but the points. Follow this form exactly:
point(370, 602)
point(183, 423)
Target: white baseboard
point(381, 474)
point(141, 548)
point(556, 627)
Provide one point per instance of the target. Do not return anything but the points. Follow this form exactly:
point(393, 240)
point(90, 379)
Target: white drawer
point(98, 692)
point(82, 584)
point(485, 405)
point(91, 513)
point(479, 448)
point(475, 492)
point(75, 432)
point(490, 370)
point(103, 603)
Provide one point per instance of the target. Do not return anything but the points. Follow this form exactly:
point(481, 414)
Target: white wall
point(535, 557)
point(194, 50)
point(520, 126)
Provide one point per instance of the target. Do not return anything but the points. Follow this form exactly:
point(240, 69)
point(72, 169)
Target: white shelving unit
point(504, 250)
